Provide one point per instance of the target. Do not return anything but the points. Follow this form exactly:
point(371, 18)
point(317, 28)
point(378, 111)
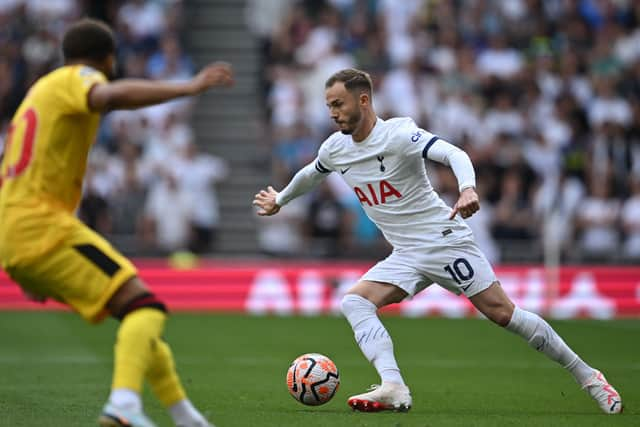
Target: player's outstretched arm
point(270, 201)
point(265, 200)
point(135, 93)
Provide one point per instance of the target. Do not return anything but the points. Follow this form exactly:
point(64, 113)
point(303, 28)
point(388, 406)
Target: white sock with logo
point(371, 336)
point(541, 336)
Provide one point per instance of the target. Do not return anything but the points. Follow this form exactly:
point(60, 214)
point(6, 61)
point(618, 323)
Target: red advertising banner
point(316, 288)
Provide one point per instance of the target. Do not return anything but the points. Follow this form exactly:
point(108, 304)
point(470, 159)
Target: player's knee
point(144, 300)
point(351, 303)
point(347, 304)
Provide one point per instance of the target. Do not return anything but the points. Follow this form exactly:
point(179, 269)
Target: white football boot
point(114, 416)
point(385, 397)
point(602, 392)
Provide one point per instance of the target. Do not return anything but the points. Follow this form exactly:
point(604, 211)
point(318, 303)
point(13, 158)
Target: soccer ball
point(313, 379)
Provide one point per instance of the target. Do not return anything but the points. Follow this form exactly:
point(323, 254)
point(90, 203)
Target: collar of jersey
point(368, 138)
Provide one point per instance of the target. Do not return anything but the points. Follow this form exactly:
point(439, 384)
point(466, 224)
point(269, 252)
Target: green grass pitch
point(55, 371)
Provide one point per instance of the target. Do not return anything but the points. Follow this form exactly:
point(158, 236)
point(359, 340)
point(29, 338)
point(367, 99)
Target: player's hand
point(216, 74)
point(265, 200)
point(467, 204)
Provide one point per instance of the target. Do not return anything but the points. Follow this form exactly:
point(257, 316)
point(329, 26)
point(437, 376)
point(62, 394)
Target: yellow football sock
point(162, 375)
point(138, 334)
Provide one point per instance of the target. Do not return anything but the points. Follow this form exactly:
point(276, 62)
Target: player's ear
point(364, 99)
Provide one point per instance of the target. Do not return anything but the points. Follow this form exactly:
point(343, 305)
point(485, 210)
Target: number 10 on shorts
point(460, 270)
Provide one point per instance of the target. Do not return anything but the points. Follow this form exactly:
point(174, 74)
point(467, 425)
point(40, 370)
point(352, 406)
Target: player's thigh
point(84, 272)
point(379, 293)
point(391, 280)
point(461, 268)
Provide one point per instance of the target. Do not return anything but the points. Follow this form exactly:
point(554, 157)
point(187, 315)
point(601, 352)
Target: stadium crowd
point(144, 160)
point(544, 95)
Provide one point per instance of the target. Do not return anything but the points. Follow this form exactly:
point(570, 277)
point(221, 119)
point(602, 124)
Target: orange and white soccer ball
point(313, 379)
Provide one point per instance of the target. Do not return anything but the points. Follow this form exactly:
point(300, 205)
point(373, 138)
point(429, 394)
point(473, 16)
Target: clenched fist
point(216, 74)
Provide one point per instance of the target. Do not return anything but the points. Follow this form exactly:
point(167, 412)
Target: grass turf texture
point(55, 371)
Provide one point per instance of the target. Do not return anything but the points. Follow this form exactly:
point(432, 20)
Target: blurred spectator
point(294, 147)
point(144, 20)
point(327, 224)
point(542, 157)
point(187, 183)
point(170, 62)
point(513, 214)
point(264, 18)
point(401, 91)
point(611, 156)
point(503, 117)
point(555, 203)
point(127, 200)
point(631, 221)
point(607, 106)
point(94, 211)
point(396, 21)
point(167, 230)
point(499, 59)
point(284, 100)
point(282, 234)
point(197, 174)
point(163, 140)
point(597, 221)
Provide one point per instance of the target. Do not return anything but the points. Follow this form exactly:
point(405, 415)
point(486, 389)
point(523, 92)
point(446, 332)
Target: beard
point(351, 123)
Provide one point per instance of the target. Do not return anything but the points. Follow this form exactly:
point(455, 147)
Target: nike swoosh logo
point(345, 170)
point(615, 402)
point(464, 288)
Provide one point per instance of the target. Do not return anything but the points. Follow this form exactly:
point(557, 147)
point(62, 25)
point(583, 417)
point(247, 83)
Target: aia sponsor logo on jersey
point(377, 196)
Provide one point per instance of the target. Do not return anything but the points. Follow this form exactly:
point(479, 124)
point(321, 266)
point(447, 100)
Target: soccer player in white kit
point(383, 161)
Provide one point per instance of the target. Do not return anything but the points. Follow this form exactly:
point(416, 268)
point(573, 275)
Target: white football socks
point(371, 336)
point(126, 398)
point(184, 413)
point(541, 336)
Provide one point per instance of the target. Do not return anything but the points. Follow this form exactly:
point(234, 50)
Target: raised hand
point(216, 74)
point(265, 200)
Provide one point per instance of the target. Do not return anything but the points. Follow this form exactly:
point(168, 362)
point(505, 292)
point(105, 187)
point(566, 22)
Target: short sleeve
point(413, 140)
point(81, 81)
point(323, 162)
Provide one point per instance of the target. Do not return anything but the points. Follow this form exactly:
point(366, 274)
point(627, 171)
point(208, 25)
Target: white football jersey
point(387, 173)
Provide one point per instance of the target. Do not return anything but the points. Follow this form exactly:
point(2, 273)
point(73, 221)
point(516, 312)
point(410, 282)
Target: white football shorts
point(459, 267)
